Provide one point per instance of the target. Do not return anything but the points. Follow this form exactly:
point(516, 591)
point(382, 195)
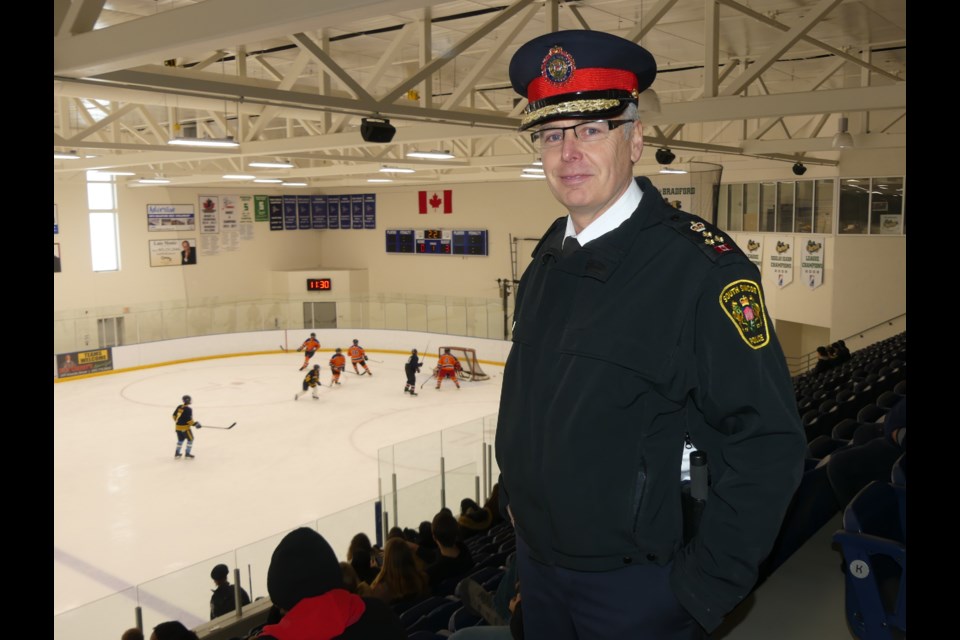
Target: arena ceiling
point(749, 83)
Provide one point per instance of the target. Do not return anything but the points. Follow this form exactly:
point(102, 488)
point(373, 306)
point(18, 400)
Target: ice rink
point(126, 511)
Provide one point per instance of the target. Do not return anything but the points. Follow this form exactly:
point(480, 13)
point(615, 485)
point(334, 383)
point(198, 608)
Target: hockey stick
point(434, 375)
point(283, 348)
point(210, 426)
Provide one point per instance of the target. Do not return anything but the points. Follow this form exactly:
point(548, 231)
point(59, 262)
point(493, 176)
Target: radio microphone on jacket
point(698, 475)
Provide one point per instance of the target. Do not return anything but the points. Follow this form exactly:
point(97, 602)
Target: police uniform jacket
point(651, 334)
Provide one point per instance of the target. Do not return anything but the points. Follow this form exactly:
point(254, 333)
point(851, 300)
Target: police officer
point(638, 330)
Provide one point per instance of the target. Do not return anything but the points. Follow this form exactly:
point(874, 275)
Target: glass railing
point(78, 329)
point(463, 452)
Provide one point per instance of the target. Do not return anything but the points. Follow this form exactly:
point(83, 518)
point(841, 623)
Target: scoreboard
point(445, 242)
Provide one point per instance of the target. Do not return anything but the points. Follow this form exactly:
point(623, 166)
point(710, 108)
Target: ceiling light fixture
point(669, 170)
point(65, 155)
point(843, 139)
point(431, 155)
point(238, 176)
point(799, 169)
point(269, 180)
point(153, 181)
point(293, 184)
point(536, 170)
point(379, 180)
point(271, 165)
point(396, 170)
point(204, 142)
point(533, 175)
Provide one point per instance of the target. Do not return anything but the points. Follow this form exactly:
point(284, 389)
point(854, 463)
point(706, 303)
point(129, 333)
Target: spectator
point(455, 559)
point(305, 583)
point(132, 633)
point(360, 556)
point(224, 599)
point(400, 579)
point(173, 630)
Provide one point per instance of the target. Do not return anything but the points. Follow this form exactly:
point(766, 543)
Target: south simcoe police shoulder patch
point(742, 301)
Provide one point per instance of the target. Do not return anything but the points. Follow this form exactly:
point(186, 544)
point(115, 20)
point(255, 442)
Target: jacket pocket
point(630, 350)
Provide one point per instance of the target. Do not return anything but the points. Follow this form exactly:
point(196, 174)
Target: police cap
point(579, 74)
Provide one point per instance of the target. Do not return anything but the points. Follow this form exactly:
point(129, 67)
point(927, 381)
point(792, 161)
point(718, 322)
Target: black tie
point(570, 244)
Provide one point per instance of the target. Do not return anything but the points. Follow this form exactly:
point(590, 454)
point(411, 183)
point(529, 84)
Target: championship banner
point(811, 262)
point(752, 246)
point(781, 260)
point(209, 214)
point(78, 363)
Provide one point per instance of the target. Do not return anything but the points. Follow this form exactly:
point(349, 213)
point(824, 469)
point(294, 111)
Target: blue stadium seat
point(874, 545)
point(420, 609)
point(437, 618)
point(461, 619)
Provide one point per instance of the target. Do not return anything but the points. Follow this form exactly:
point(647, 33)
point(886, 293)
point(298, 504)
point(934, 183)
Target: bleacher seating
point(874, 544)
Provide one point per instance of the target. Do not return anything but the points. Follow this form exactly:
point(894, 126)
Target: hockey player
point(309, 347)
point(358, 356)
point(448, 367)
point(311, 381)
point(183, 420)
point(412, 368)
point(338, 362)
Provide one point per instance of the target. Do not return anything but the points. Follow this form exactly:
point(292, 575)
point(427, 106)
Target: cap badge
point(557, 65)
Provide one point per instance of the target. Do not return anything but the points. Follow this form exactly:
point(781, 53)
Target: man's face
point(588, 177)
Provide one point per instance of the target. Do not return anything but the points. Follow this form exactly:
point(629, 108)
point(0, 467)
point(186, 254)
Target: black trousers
point(411, 377)
point(635, 602)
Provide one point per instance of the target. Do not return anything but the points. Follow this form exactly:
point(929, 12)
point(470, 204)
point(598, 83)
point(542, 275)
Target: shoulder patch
point(742, 301)
point(711, 240)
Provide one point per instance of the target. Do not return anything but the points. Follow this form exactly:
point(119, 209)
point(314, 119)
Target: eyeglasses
point(592, 131)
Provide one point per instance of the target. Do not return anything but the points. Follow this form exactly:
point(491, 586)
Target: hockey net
point(468, 361)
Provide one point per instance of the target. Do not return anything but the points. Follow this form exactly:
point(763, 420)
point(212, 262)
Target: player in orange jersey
point(358, 356)
point(309, 347)
point(448, 367)
point(338, 362)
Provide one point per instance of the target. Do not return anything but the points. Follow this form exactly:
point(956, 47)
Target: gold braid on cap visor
point(574, 106)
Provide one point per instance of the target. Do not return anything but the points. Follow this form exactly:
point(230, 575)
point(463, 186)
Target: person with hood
point(305, 584)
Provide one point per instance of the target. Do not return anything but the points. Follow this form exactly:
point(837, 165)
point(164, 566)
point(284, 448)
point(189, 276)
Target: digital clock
point(432, 234)
point(319, 284)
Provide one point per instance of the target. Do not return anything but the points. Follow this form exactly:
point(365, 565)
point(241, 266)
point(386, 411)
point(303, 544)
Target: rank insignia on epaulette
point(742, 301)
point(697, 226)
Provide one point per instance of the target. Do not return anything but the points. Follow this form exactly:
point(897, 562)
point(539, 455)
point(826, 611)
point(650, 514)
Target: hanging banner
point(781, 260)
point(811, 262)
point(318, 205)
point(246, 217)
point(261, 209)
point(275, 205)
point(369, 211)
point(209, 214)
point(752, 246)
point(289, 212)
point(304, 213)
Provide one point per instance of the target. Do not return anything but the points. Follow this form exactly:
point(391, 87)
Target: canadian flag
point(434, 201)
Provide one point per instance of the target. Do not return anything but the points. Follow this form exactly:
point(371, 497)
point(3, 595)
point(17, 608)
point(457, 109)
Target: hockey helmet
point(414, 352)
point(338, 349)
point(356, 341)
point(187, 399)
point(316, 366)
point(313, 335)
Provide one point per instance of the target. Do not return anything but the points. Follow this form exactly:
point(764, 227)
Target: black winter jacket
point(650, 334)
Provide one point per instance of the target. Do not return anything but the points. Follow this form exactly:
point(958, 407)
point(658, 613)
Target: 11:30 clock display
point(319, 284)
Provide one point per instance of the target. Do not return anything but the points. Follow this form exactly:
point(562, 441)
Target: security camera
point(665, 156)
point(799, 169)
